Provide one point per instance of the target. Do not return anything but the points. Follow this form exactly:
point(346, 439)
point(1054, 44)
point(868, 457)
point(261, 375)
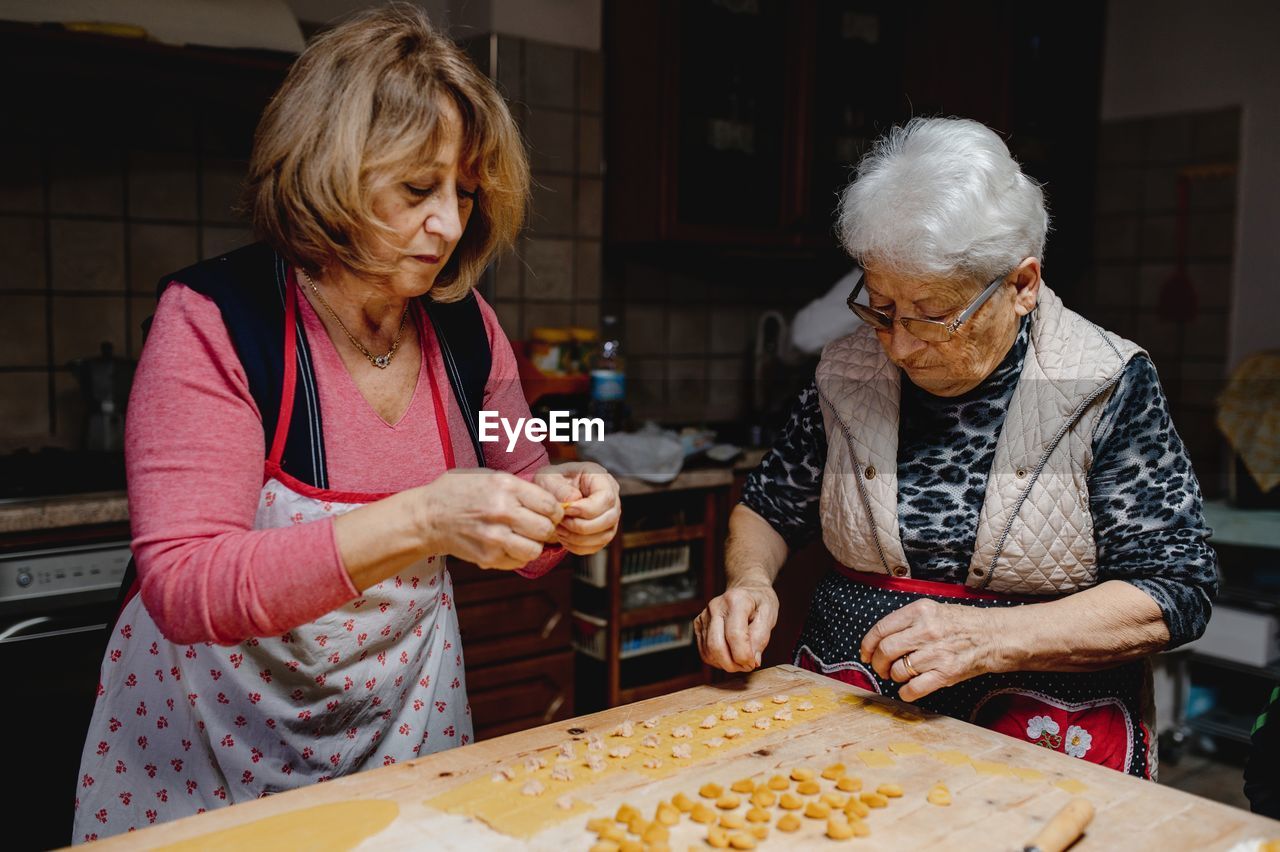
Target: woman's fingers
point(715, 649)
point(588, 524)
point(741, 607)
point(919, 687)
point(531, 525)
point(534, 497)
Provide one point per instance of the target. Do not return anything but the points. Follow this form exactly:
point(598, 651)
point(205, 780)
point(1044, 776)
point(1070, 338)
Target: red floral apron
point(179, 729)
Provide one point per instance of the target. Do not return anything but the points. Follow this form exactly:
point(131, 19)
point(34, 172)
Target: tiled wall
point(1139, 163)
point(556, 94)
point(93, 209)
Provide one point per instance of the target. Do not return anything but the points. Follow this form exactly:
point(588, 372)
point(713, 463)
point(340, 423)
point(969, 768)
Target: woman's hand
point(942, 643)
point(734, 629)
point(592, 506)
point(494, 519)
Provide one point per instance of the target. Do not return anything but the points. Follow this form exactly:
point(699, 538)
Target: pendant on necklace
point(382, 361)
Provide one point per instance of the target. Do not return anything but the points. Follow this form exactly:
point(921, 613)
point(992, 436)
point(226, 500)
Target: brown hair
point(364, 103)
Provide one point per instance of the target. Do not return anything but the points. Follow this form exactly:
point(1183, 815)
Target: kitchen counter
point(77, 510)
point(1002, 789)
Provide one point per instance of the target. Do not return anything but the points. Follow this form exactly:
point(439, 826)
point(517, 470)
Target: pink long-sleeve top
point(195, 450)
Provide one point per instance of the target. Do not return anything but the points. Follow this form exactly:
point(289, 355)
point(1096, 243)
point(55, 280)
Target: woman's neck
point(367, 310)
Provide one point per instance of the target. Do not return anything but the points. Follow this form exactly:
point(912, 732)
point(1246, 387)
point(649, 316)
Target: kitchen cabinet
point(515, 638)
point(635, 601)
point(737, 122)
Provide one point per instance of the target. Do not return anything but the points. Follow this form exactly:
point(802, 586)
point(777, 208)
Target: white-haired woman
point(299, 455)
point(1016, 526)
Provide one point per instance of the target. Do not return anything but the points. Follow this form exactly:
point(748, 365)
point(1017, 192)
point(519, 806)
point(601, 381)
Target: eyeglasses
point(930, 331)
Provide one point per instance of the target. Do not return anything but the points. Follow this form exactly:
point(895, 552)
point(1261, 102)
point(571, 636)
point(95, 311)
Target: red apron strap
point(933, 587)
point(442, 420)
point(290, 371)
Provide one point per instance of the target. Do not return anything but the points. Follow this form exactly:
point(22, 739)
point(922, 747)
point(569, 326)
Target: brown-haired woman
point(293, 620)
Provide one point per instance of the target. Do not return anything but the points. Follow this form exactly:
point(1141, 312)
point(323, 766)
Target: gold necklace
point(379, 361)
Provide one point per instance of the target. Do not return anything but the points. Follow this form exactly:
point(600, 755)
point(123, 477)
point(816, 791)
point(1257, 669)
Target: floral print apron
point(181, 729)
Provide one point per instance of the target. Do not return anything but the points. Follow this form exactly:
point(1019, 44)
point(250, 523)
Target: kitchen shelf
point(662, 612)
point(681, 548)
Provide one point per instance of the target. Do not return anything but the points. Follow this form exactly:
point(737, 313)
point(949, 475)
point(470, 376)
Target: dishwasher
point(57, 602)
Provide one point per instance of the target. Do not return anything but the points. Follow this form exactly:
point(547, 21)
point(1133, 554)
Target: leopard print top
point(1143, 495)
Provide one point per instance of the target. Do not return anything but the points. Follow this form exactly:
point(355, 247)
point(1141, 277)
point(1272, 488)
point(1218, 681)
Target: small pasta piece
point(714, 742)
point(732, 733)
point(743, 785)
point(666, 814)
point(779, 782)
point(890, 791)
point(833, 772)
point(562, 773)
point(652, 763)
point(717, 837)
point(631, 846)
point(650, 741)
point(651, 722)
point(605, 846)
point(838, 828)
point(655, 833)
point(739, 840)
point(808, 788)
point(783, 714)
point(759, 829)
point(565, 802)
point(817, 810)
point(752, 706)
point(506, 773)
point(801, 774)
point(731, 820)
point(709, 722)
point(683, 751)
point(533, 788)
point(683, 803)
point(703, 814)
point(789, 822)
point(758, 814)
point(613, 832)
point(682, 732)
point(567, 751)
point(620, 752)
point(534, 763)
point(711, 791)
point(762, 723)
point(781, 698)
point(834, 801)
point(594, 742)
point(939, 795)
point(848, 784)
point(596, 763)
point(598, 824)
point(728, 802)
point(624, 729)
point(875, 800)
point(626, 813)
point(764, 798)
point(728, 714)
point(804, 704)
point(856, 808)
point(790, 802)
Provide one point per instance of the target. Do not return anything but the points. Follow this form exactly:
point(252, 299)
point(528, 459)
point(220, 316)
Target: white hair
point(942, 198)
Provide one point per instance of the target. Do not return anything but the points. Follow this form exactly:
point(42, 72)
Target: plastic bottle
point(609, 378)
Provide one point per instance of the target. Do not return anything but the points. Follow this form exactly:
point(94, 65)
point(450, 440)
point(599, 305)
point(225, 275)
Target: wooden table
point(991, 808)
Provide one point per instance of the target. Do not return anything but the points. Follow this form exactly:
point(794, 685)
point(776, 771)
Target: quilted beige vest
point(1035, 532)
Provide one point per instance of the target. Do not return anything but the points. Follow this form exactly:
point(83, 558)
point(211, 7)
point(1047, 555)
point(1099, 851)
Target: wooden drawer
point(516, 696)
point(505, 617)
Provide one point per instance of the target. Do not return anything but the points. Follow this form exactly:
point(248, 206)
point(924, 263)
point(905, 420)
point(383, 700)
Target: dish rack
point(640, 564)
point(590, 634)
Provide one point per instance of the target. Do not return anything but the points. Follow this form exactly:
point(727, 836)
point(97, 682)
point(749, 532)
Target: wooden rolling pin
point(1064, 829)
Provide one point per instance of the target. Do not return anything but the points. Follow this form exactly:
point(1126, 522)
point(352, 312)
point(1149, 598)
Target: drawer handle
point(553, 709)
point(551, 624)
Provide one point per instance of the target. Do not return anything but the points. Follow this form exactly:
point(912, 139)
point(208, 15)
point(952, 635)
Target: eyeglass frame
point(951, 327)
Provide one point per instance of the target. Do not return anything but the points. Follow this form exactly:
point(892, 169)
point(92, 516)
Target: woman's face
point(428, 209)
point(978, 346)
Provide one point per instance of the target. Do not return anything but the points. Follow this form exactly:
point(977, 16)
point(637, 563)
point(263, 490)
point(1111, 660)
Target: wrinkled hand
point(493, 519)
point(734, 629)
point(947, 644)
point(592, 505)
